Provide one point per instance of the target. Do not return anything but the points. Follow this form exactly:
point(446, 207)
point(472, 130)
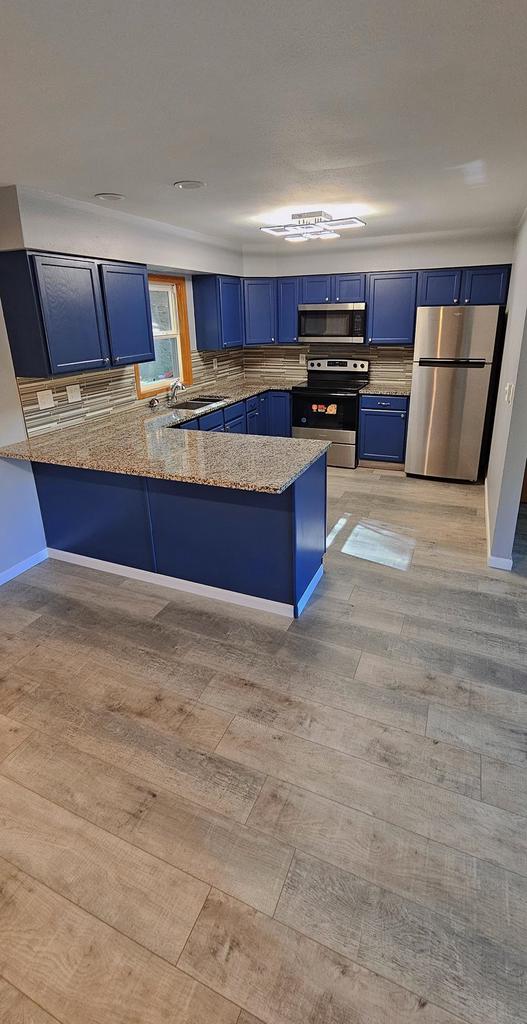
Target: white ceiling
point(413, 113)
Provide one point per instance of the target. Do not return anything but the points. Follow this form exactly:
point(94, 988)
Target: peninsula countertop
point(136, 442)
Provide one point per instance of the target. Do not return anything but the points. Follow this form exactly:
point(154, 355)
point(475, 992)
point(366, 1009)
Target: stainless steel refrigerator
point(454, 348)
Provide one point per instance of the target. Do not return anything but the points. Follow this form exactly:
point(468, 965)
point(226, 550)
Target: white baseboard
point(493, 561)
point(20, 567)
point(216, 593)
point(499, 563)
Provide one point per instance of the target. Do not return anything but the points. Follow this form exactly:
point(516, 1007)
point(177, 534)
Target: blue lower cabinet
point(382, 428)
point(263, 413)
point(252, 421)
point(212, 421)
point(235, 418)
point(237, 426)
point(279, 414)
point(190, 425)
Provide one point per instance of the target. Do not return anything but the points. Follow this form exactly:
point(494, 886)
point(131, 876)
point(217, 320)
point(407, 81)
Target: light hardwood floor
point(214, 816)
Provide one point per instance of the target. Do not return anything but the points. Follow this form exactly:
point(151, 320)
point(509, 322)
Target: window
point(168, 303)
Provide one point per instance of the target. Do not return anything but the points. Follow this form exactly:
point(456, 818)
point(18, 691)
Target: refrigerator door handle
point(476, 364)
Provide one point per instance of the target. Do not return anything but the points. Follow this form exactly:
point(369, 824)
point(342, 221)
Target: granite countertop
point(136, 442)
point(387, 389)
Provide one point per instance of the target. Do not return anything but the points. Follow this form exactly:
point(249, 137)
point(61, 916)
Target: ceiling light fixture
point(305, 227)
point(189, 184)
point(111, 197)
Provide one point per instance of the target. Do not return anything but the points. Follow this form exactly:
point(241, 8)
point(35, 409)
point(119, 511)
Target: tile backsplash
point(109, 391)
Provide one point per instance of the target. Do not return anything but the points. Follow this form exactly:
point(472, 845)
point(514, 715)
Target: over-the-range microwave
point(332, 322)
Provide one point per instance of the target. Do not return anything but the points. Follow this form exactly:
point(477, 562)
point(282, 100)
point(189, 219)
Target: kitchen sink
point(201, 402)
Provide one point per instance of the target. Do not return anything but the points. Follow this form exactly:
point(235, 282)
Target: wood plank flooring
point(214, 816)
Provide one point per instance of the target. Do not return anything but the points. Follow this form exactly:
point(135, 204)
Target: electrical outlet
point(73, 392)
point(509, 393)
point(45, 399)
point(214, 363)
point(302, 359)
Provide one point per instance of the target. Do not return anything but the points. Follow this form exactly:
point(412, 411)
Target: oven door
point(337, 322)
point(325, 413)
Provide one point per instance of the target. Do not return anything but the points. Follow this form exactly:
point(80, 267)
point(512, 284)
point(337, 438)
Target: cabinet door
point(382, 435)
point(231, 312)
point(288, 297)
point(485, 286)
point(212, 421)
point(190, 425)
point(391, 308)
point(128, 315)
point(317, 289)
point(439, 287)
point(252, 421)
point(279, 414)
point(263, 413)
point(260, 310)
point(236, 426)
point(349, 287)
point(73, 313)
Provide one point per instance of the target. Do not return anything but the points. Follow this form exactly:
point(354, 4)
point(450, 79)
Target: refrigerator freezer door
point(451, 332)
point(447, 414)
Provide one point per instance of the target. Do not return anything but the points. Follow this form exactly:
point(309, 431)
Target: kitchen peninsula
point(237, 517)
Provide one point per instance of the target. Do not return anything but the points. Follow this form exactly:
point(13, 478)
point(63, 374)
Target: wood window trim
point(180, 286)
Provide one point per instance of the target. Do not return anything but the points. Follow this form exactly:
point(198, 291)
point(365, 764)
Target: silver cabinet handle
point(117, 359)
point(272, 339)
point(456, 300)
point(107, 360)
point(466, 300)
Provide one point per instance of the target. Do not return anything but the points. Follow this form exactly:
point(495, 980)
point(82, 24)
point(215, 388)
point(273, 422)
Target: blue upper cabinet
point(129, 319)
point(317, 289)
point(218, 311)
point(348, 288)
point(391, 308)
point(485, 286)
point(259, 294)
point(288, 298)
point(72, 313)
point(439, 287)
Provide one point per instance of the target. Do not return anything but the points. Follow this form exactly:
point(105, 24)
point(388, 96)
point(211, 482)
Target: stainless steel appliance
point(332, 321)
point(327, 406)
point(454, 349)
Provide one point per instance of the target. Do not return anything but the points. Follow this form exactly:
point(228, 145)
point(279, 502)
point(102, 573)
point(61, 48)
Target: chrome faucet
point(176, 386)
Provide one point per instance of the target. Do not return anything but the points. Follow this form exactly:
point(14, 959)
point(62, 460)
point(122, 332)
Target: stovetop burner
point(335, 376)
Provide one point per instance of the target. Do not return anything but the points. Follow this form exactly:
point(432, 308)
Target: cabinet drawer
point(233, 412)
point(212, 421)
point(252, 404)
point(190, 425)
point(398, 403)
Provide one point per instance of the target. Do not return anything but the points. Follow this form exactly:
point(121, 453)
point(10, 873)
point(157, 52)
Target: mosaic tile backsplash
point(104, 392)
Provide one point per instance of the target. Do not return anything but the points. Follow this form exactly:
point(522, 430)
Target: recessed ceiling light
point(189, 184)
point(112, 197)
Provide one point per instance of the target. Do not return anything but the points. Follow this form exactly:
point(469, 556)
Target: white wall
point(397, 253)
point(64, 225)
point(509, 440)
point(21, 530)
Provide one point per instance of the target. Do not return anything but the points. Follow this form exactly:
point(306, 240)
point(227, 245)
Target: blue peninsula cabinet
point(261, 549)
point(65, 315)
point(382, 428)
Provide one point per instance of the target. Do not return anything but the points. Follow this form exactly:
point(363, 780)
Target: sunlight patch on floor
point(374, 542)
point(339, 525)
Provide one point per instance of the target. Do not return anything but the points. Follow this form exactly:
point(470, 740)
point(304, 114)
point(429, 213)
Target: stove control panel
point(338, 365)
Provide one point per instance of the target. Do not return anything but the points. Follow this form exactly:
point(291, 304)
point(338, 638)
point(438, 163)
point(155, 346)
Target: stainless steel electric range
point(327, 406)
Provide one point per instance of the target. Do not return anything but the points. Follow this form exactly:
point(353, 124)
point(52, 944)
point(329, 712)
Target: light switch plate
point(45, 399)
point(73, 392)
